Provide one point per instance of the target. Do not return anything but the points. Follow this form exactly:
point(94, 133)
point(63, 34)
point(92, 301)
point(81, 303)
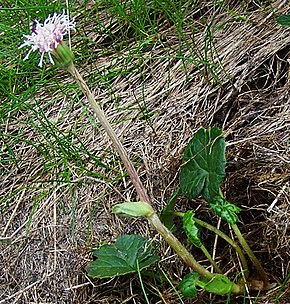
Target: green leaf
point(121, 258)
point(226, 210)
point(133, 209)
point(187, 285)
point(204, 162)
point(283, 20)
point(219, 285)
point(167, 214)
point(190, 228)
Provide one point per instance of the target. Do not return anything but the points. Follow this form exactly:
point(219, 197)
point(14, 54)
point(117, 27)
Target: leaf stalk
point(251, 255)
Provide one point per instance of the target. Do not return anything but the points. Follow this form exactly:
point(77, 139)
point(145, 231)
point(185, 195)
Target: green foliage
point(190, 228)
point(226, 210)
point(219, 284)
point(187, 285)
point(133, 209)
point(283, 20)
point(167, 214)
point(284, 283)
point(204, 161)
point(129, 254)
point(203, 171)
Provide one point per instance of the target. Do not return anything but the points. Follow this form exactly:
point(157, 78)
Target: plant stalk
point(142, 193)
point(226, 238)
point(250, 253)
point(230, 241)
point(211, 260)
point(178, 247)
point(154, 220)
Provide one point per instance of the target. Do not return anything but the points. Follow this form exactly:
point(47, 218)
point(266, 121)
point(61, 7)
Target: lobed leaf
point(121, 258)
point(204, 162)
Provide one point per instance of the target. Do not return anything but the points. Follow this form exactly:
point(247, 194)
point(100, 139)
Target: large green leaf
point(127, 255)
point(204, 161)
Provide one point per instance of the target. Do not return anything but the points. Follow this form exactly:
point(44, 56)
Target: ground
point(223, 65)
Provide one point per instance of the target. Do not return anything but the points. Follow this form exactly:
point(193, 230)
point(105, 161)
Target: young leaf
point(283, 20)
point(204, 163)
point(219, 285)
point(187, 285)
point(121, 258)
point(167, 214)
point(226, 210)
point(190, 228)
point(133, 209)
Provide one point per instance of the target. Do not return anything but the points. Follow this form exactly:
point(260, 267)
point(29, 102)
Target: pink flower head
point(47, 36)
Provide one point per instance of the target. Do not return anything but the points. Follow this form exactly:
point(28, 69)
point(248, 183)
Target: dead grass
point(43, 259)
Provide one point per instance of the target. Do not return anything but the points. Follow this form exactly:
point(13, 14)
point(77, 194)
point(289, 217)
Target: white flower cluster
point(47, 36)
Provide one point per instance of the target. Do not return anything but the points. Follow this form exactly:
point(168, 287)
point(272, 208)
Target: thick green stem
point(251, 255)
point(178, 247)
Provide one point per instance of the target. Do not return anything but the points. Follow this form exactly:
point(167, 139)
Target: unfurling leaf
point(219, 285)
point(283, 20)
point(190, 228)
point(204, 161)
point(226, 210)
point(129, 254)
point(187, 285)
point(133, 209)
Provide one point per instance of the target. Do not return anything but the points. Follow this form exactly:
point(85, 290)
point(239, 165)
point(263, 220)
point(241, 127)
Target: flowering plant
point(47, 38)
point(201, 174)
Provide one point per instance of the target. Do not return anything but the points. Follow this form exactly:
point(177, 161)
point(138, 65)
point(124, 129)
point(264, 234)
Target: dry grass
point(43, 259)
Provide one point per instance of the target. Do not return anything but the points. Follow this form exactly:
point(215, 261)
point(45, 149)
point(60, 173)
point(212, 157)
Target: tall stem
point(251, 255)
point(143, 196)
